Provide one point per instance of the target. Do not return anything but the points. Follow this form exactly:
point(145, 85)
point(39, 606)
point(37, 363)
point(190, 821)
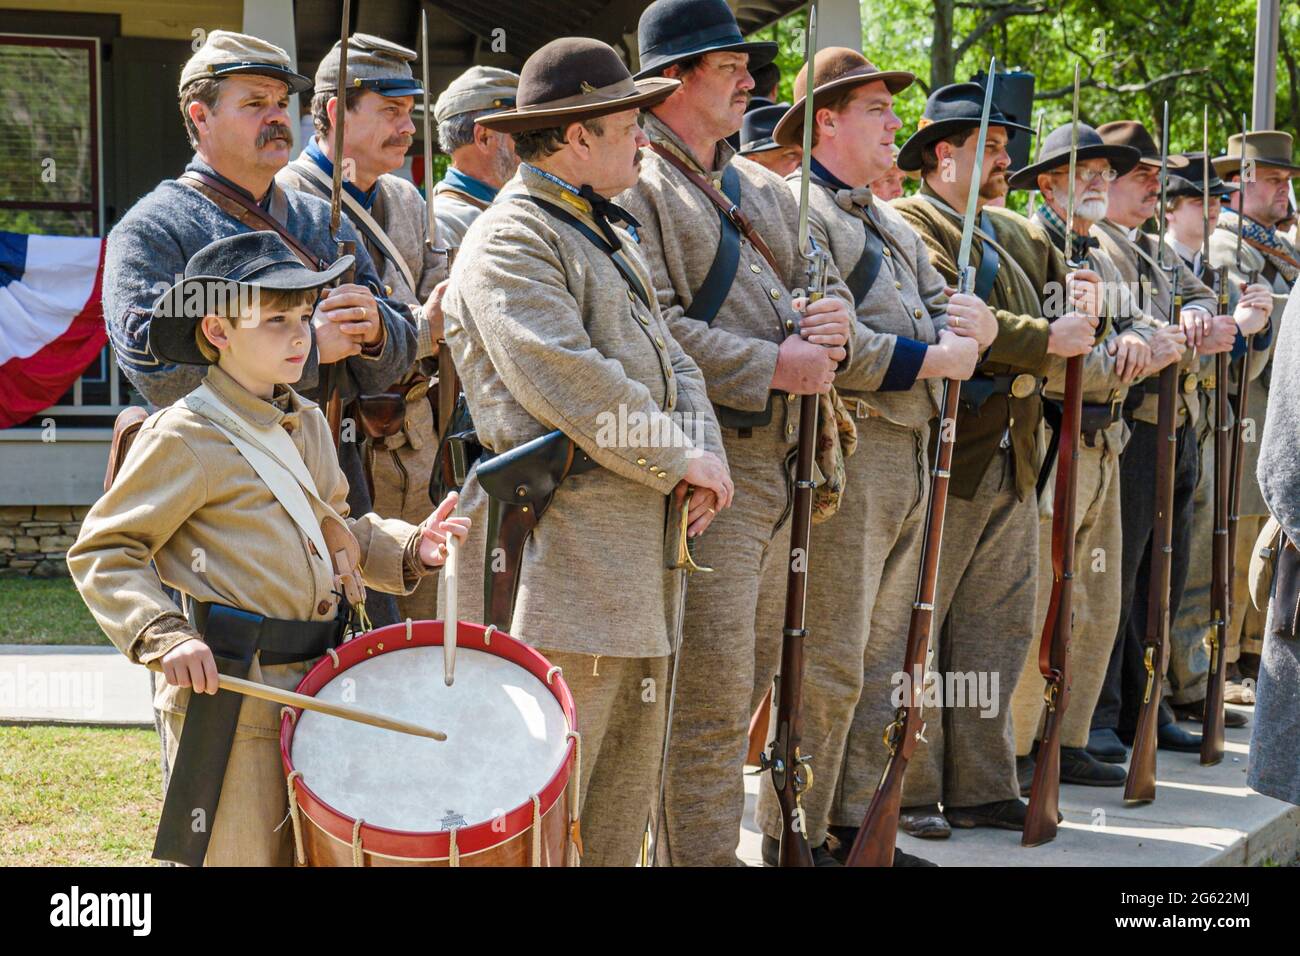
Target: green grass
point(45, 611)
point(74, 796)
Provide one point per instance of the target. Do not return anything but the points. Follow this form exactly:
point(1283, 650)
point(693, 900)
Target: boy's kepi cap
point(218, 274)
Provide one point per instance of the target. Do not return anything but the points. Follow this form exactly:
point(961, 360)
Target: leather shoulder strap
point(730, 209)
point(629, 276)
point(463, 197)
point(708, 298)
point(864, 273)
point(362, 219)
point(249, 213)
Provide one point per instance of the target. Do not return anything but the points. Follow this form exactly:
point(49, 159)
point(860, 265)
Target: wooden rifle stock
point(1054, 646)
point(1140, 786)
point(762, 716)
point(332, 374)
point(791, 775)
point(448, 380)
point(874, 844)
point(1212, 723)
point(1221, 583)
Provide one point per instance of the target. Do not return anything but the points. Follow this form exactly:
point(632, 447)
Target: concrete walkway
point(1202, 816)
point(72, 685)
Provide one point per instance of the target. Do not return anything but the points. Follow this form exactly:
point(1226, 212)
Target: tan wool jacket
point(547, 334)
point(901, 313)
point(189, 505)
point(679, 235)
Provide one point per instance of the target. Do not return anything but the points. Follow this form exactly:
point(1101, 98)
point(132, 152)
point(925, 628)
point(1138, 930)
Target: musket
point(1220, 554)
point(874, 844)
point(333, 372)
point(1054, 644)
point(682, 560)
point(788, 765)
point(448, 381)
point(1140, 786)
point(1212, 735)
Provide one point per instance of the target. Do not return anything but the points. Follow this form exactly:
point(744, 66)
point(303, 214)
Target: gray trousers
point(862, 578)
point(730, 646)
point(987, 594)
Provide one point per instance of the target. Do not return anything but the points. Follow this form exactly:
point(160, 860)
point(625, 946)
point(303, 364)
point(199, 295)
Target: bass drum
point(501, 790)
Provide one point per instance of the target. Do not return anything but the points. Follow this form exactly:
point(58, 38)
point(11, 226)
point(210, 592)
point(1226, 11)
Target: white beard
point(1094, 210)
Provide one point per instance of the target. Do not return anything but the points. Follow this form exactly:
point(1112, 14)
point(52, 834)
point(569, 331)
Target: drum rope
point(575, 829)
point(537, 830)
point(408, 628)
point(287, 711)
point(358, 858)
point(298, 852)
point(487, 635)
point(555, 669)
point(453, 851)
point(334, 656)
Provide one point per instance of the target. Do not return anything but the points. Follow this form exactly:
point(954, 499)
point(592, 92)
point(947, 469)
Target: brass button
point(789, 325)
point(789, 398)
point(323, 607)
point(898, 285)
point(631, 296)
point(1189, 383)
point(659, 341)
point(640, 461)
point(645, 320)
point(774, 293)
point(1011, 422)
point(1023, 385)
point(886, 250)
point(789, 429)
point(388, 290)
point(753, 267)
point(917, 313)
point(670, 373)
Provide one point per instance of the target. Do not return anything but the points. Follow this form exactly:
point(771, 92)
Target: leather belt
point(1096, 417)
point(211, 720)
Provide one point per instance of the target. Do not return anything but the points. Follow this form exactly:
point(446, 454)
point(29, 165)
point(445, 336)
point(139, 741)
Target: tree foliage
point(1133, 55)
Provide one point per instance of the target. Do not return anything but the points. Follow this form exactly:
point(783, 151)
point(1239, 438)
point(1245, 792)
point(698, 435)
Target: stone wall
point(34, 539)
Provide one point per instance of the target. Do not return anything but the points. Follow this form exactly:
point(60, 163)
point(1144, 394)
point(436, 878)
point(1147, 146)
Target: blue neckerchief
point(821, 172)
point(463, 182)
point(365, 200)
point(200, 166)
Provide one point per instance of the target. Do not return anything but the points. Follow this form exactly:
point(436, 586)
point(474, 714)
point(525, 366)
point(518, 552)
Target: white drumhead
point(505, 740)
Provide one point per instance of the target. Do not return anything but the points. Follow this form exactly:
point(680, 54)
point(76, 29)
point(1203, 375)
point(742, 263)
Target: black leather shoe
point(1105, 745)
point(1079, 766)
point(908, 859)
point(1025, 774)
point(1002, 814)
point(1173, 737)
point(926, 822)
point(772, 849)
point(1196, 712)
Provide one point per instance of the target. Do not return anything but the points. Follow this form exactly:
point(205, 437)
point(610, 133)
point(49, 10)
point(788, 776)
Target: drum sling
point(194, 790)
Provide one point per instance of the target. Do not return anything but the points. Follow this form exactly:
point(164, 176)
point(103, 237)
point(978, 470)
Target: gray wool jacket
point(147, 251)
point(1274, 764)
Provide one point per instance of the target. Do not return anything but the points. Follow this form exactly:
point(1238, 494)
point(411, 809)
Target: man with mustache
point(234, 93)
point(1263, 197)
point(866, 555)
point(1130, 348)
point(1133, 199)
point(741, 330)
point(989, 561)
point(889, 185)
point(482, 160)
point(388, 212)
point(552, 319)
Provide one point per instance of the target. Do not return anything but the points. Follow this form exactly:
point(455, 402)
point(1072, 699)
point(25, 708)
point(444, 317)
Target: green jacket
point(1021, 345)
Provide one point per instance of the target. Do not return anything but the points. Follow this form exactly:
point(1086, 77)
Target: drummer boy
point(234, 497)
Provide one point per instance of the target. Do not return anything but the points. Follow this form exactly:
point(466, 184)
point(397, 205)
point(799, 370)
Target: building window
point(49, 136)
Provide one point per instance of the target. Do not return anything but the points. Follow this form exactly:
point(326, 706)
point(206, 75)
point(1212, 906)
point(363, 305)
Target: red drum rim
point(435, 844)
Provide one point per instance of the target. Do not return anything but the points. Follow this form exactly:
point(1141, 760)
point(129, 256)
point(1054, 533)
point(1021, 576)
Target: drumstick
point(449, 615)
point(251, 688)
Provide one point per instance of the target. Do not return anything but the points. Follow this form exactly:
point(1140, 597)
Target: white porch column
point(272, 20)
